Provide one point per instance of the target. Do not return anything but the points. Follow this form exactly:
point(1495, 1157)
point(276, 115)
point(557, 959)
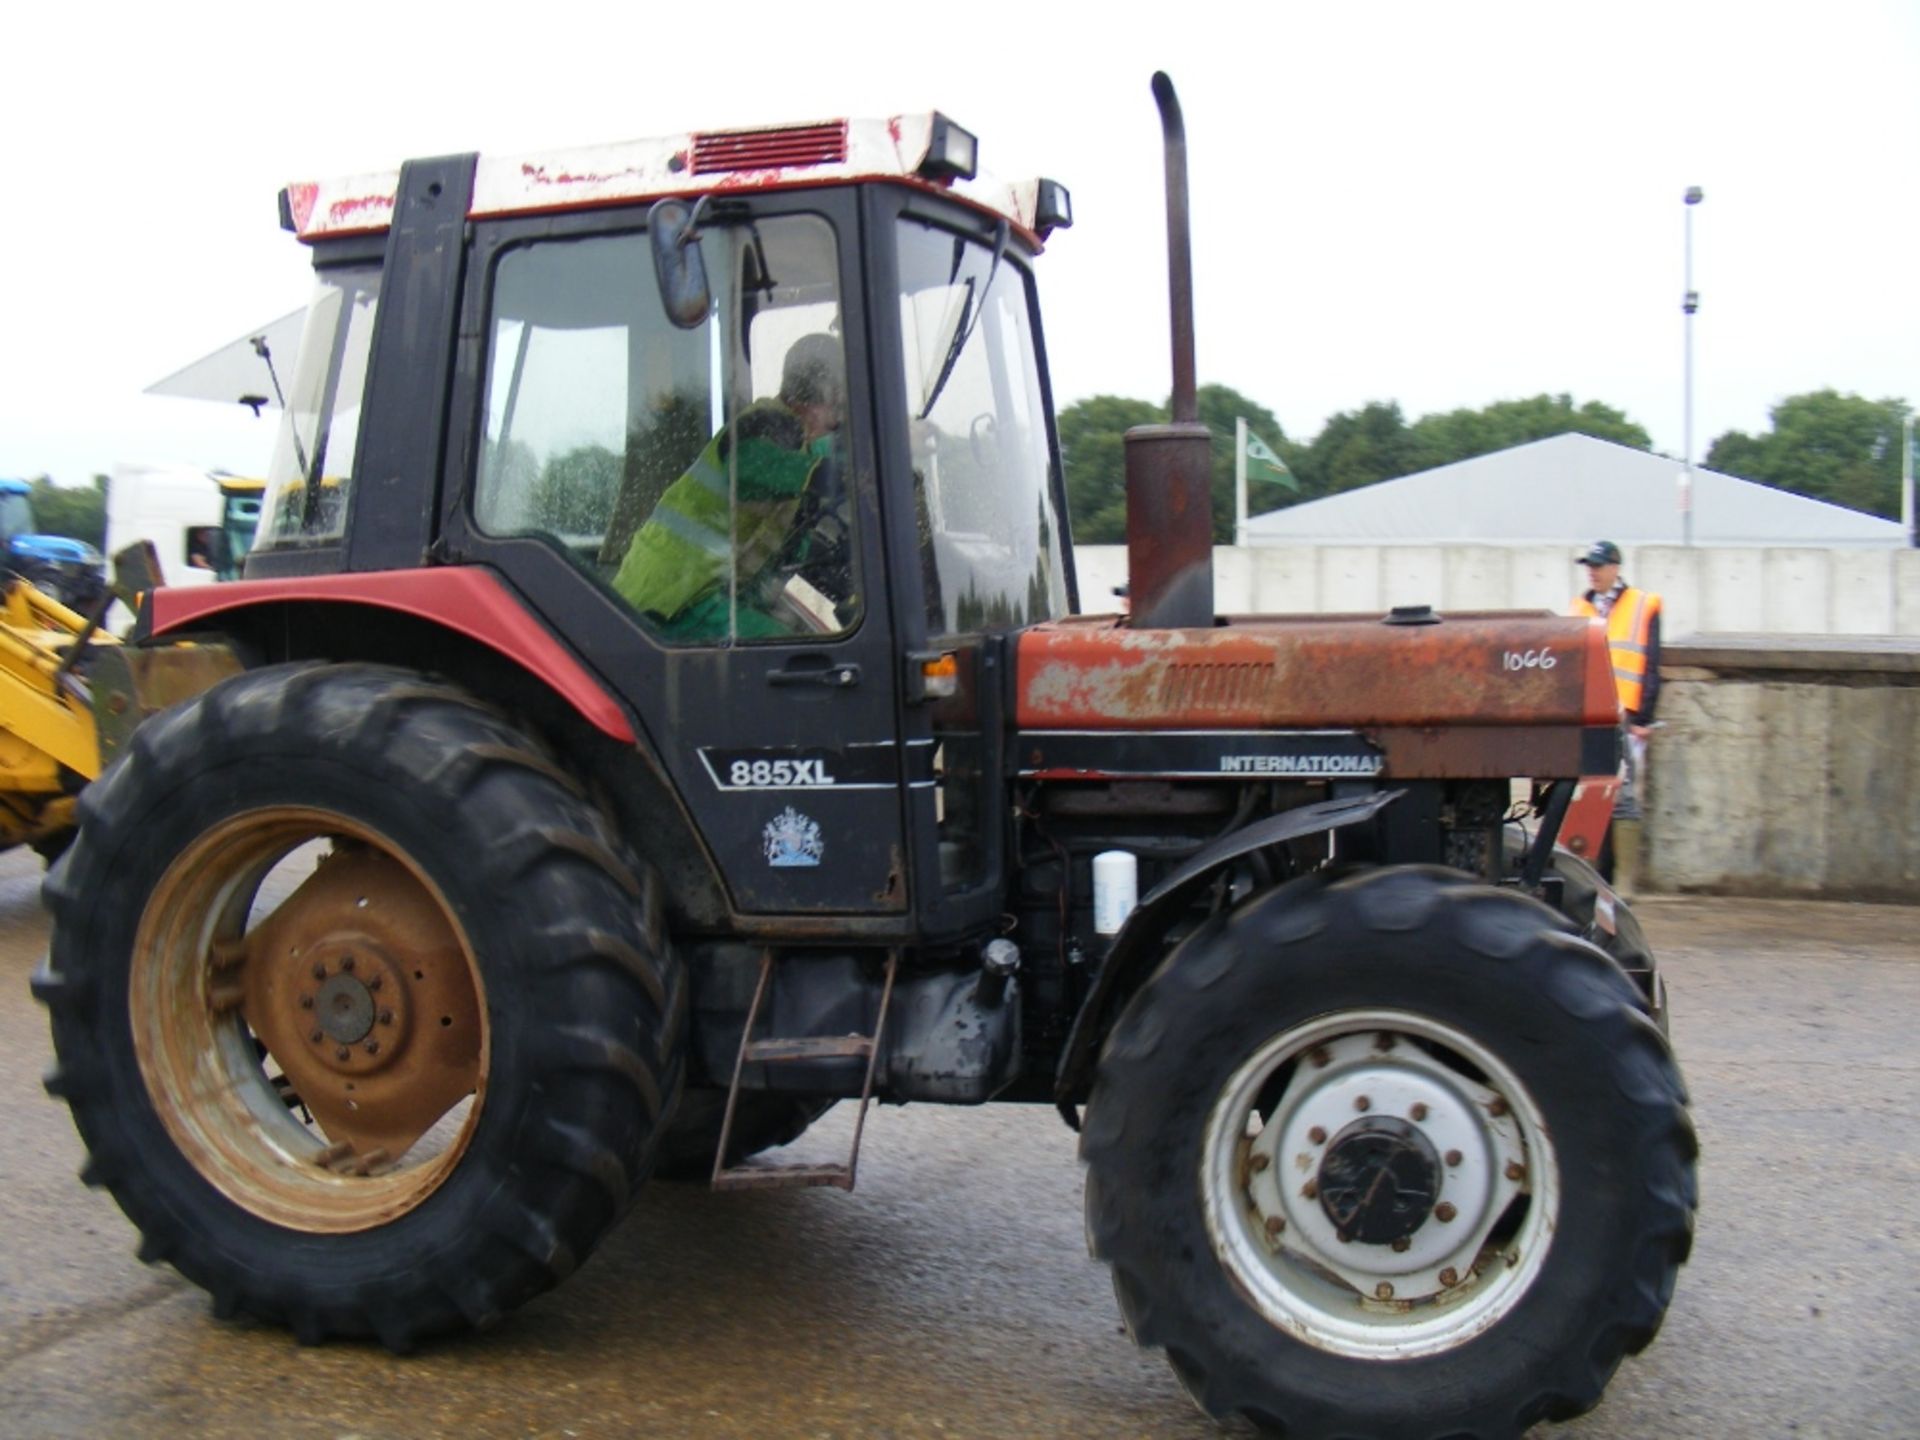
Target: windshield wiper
point(969, 319)
point(265, 352)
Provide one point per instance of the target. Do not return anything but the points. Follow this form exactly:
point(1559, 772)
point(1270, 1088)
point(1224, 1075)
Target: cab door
point(668, 501)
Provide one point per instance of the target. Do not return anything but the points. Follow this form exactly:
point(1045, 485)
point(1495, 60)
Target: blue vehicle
point(71, 571)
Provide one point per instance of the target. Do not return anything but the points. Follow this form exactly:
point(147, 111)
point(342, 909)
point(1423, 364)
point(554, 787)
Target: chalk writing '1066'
point(1541, 659)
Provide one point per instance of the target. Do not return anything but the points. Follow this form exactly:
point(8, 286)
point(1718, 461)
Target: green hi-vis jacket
point(676, 568)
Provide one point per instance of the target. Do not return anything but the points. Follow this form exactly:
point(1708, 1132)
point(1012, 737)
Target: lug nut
point(1321, 1059)
point(374, 983)
point(306, 1002)
point(386, 1017)
point(1419, 1111)
point(1317, 1135)
point(342, 1053)
point(1260, 1162)
point(1444, 1211)
point(1516, 1171)
point(1310, 1190)
point(317, 1036)
point(346, 962)
point(1402, 1245)
point(319, 970)
point(373, 1047)
point(1361, 1102)
point(1383, 1291)
point(1275, 1224)
point(1453, 1157)
point(1449, 1277)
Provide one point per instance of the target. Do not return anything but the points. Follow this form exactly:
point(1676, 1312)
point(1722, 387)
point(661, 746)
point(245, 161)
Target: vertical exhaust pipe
point(1170, 467)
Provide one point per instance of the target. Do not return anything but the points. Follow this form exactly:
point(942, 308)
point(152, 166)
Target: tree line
point(1840, 448)
point(1834, 447)
point(78, 512)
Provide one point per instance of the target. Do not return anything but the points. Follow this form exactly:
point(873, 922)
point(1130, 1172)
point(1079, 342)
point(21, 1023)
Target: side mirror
point(678, 264)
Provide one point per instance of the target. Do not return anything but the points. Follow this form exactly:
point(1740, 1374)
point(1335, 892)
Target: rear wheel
point(1392, 1156)
point(1603, 917)
point(356, 1006)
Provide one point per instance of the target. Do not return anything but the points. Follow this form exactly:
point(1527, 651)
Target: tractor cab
point(797, 583)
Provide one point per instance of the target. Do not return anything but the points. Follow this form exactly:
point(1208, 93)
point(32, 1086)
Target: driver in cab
point(784, 525)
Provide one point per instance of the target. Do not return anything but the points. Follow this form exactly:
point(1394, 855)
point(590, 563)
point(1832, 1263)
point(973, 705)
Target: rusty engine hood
point(1479, 694)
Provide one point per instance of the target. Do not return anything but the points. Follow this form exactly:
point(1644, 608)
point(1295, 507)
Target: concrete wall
point(1779, 591)
point(1787, 767)
point(1788, 760)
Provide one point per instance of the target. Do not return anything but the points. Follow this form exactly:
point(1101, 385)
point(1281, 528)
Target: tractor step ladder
point(787, 1050)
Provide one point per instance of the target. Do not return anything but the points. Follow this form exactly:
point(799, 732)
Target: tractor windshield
point(313, 457)
point(16, 514)
point(982, 464)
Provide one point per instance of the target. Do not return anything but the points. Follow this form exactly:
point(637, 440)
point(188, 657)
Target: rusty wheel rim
point(316, 1045)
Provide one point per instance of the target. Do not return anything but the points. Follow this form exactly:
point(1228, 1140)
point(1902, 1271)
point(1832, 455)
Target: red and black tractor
point(666, 711)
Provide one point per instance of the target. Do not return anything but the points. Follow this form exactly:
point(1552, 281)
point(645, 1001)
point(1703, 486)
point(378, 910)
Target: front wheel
point(1393, 1156)
point(357, 1005)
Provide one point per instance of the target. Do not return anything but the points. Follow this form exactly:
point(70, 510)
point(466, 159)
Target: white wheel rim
point(1477, 1236)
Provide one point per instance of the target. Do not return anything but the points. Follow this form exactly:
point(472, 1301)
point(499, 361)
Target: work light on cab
point(953, 153)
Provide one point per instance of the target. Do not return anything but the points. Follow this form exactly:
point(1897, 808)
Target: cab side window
point(698, 474)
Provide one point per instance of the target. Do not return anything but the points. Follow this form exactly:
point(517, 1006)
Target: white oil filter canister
point(1116, 889)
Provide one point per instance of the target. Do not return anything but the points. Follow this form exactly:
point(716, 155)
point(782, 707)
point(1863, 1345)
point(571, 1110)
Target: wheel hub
point(1379, 1180)
point(343, 992)
point(345, 1009)
point(357, 987)
point(1362, 1166)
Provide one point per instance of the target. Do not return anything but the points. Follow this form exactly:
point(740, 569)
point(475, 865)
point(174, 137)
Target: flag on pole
point(1264, 464)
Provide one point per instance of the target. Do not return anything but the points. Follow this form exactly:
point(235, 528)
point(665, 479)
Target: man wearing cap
point(764, 497)
point(1632, 618)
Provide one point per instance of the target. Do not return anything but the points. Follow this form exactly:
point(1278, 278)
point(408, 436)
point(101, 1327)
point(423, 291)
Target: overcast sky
point(1439, 205)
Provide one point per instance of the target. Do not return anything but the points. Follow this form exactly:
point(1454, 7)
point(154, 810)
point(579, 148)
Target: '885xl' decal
point(802, 767)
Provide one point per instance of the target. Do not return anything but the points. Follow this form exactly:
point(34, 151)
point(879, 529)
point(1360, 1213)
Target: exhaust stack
point(1170, 467)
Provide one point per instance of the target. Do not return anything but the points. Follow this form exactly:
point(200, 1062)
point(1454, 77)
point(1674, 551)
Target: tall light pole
point(1906, 485)
point(1689, 302)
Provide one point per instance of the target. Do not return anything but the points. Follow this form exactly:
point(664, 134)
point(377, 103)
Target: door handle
point(816, 670)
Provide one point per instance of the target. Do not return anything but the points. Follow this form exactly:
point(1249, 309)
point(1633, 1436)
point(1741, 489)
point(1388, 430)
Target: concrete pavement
point(951, 1295)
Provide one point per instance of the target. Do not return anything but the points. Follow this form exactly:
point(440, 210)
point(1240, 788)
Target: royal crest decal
point(792, 839)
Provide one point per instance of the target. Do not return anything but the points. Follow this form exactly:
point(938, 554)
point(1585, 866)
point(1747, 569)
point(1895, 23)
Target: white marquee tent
point(1569, 489)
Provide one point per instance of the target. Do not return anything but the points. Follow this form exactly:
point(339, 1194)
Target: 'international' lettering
point(1301, 764)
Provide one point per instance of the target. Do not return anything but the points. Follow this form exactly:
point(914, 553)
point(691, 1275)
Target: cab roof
point(903, 148)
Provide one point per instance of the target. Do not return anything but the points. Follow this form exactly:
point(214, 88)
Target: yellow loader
point(71, 696)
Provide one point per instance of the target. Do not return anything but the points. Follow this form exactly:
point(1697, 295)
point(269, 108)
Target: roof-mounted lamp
point(953, 153)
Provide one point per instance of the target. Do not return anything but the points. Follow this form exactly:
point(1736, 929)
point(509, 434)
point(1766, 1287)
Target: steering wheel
point(819, 547)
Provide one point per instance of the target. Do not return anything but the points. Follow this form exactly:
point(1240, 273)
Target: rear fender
point(1139, 945)
point(465, 599)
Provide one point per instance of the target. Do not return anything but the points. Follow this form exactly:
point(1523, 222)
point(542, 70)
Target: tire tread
point(1578, 979)
point(605, 1081)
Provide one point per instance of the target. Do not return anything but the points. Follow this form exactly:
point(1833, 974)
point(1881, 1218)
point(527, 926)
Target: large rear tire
point(1599, 914)
point(1394, 1156)
point(359, 1009)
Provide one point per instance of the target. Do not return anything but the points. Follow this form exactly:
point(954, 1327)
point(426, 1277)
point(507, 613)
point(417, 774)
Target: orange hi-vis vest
point(1629, 624)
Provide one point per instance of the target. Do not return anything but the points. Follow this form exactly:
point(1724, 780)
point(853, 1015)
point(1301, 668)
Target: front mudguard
point(1138, 947)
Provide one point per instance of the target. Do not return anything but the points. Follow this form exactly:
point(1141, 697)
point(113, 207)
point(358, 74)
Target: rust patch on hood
point(1346, 671)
